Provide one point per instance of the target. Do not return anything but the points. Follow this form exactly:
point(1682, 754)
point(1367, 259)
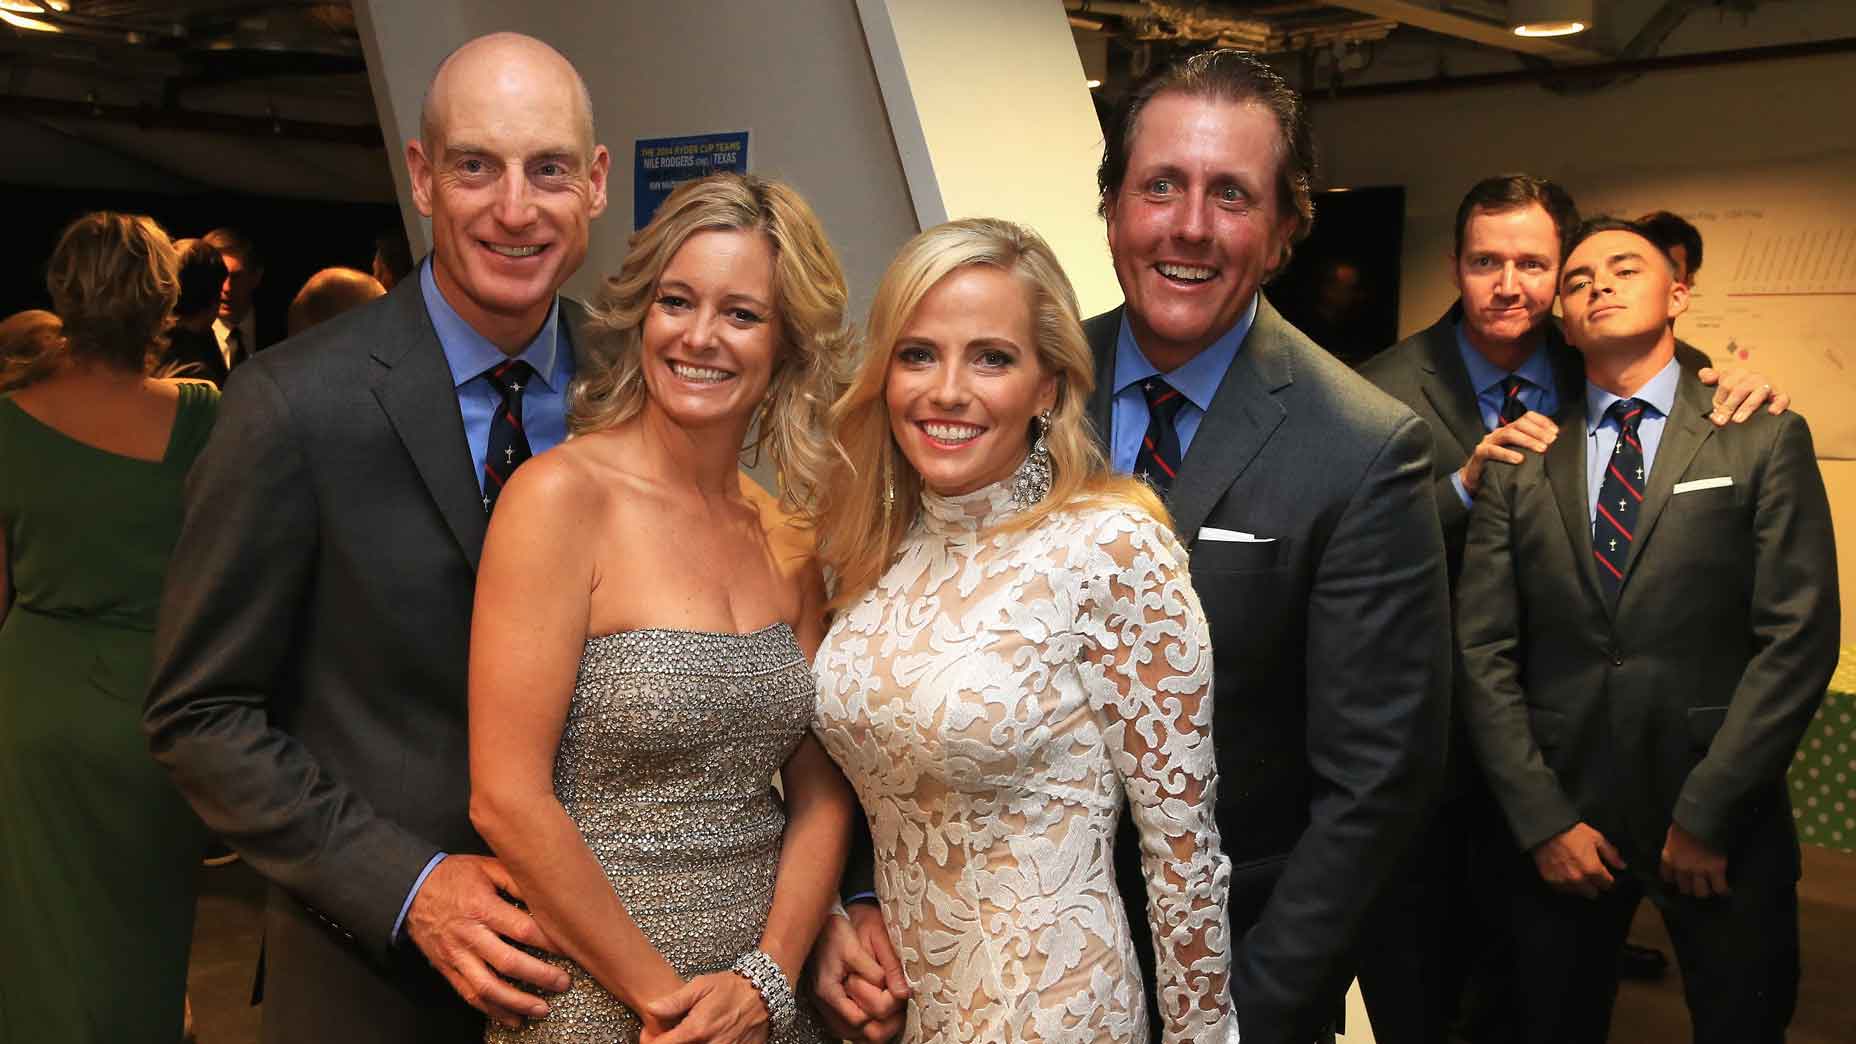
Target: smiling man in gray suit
point(309, 684)
point(1648, 619)
point(1305, 496)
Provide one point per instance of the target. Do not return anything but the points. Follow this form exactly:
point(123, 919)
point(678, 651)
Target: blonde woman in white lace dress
point(1017, 648)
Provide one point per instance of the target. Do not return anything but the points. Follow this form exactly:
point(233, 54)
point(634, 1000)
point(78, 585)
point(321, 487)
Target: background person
point(31, 347)
point(328, 294)
point(97, 848)
point(1635, 693)
point(237, 327)
point(193, 348)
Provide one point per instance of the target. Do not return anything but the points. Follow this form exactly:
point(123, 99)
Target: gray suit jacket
point(1331, 644)
point(308, 693)
point(1685, 699)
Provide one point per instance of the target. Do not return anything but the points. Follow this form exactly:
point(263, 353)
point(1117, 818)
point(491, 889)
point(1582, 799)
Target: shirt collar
point(469, 353)
point(1198, 378)
point(1483, 374)
point(1659, 393)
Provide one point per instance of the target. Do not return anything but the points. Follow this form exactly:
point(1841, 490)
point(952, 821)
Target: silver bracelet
point(775, 992)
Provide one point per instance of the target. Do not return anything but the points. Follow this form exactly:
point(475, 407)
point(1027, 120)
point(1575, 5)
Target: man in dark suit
point(309, 684)
point(1648, 618)
point(1304, 496)
point(192, 345)
point(1487, 378)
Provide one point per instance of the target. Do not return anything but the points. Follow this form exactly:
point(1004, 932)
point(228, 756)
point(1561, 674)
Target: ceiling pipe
point(153, 118)
point(1438, 85)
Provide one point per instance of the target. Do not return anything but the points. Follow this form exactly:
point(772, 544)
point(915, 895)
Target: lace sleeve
point(1148, 669)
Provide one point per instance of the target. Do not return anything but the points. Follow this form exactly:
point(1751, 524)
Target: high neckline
point(969, 512)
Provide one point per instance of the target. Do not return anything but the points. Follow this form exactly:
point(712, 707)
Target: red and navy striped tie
point(1158, 460)
point(1620, 496)
point(508, 441)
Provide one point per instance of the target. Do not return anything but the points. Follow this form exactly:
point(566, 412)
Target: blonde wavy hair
point(859, 527)
point(114, 279)
point(809, 297)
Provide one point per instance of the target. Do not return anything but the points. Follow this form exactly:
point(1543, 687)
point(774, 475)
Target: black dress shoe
point(1644, 963)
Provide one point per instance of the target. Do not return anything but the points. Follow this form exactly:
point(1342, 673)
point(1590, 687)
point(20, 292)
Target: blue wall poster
point(664, 163)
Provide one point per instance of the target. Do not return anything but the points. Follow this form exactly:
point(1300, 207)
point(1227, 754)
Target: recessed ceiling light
point(1093, 84)
point(1546, 18)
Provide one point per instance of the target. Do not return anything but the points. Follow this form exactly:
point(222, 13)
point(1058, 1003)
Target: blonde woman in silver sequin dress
point(639, 651)
point(1017, 650)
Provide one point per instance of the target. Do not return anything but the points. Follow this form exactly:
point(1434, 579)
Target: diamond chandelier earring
point(889, 478)
point(1032, 482)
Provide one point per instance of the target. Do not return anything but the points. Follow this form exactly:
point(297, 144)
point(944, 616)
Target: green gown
point(98, 852)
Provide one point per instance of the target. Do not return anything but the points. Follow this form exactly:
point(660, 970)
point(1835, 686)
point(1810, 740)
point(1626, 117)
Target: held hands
point(463, 926)
point(1533, 431)
point(1576, 860)
point(719, 1008)
point(857, 978)
point(1738, 393)
point(1692, 865)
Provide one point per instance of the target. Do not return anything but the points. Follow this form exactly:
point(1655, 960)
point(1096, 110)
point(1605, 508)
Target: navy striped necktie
point(508, 446)
point(1620, 496)
point(1158, 459)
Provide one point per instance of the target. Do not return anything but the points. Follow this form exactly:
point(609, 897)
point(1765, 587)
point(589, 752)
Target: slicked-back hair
point(236, 245)
point(202, 277)
point(1669, 231)
point(1505, 192)
point(1607, 223)
point(1227, 75)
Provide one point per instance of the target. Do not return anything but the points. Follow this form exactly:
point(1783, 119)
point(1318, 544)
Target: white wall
point(1673, 130)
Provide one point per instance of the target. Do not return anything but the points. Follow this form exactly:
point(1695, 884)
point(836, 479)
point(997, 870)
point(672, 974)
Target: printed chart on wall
point(1777, 286)
point(664, 163)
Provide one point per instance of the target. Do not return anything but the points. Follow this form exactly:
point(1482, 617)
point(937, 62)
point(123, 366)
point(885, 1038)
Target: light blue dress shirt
point(1601, 434)
point(544, 411)
point(1197, 380)
point(1541, 392)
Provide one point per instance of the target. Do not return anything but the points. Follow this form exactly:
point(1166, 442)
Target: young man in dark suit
point(1487, 377)
point(1648, 618)
point(308, 692)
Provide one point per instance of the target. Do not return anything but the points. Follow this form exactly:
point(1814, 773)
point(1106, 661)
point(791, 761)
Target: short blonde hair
point(860, 528)
point(809, 297)
point(114, 279)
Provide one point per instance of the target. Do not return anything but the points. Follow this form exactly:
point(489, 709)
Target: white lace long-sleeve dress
point(992, 700)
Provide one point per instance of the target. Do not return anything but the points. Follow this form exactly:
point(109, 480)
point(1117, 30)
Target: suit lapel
point(1103, 332)
point(416, 392)
point(1446, 382)
point(1243, 415)
point(1683, 433)
point(1565, 467)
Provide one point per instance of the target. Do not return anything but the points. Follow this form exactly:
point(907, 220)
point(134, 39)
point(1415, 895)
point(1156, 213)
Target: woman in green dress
point(97, 849)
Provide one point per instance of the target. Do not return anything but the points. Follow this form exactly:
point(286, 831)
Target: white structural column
point(991, 117)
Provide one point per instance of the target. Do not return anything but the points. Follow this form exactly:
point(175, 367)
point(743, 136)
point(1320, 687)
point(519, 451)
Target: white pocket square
point(1708, 483)
point(1233, 536)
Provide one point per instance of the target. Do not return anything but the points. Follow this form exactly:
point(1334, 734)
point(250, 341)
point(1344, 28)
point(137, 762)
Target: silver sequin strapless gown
point(665, 765)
